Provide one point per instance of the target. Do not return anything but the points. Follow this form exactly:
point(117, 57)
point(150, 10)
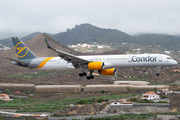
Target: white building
point(100, 47)
point(150, 96)
point(138, 49)
point(168, 52)
point(78, 44)
point(73, 46)
point(165, 90)
point(124, 43)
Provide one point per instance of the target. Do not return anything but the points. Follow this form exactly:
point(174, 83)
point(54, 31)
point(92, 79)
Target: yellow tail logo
point(21, 49)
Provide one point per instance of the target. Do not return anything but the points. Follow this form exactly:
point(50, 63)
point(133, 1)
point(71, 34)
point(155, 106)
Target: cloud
point(62, 23)
point(54, 16)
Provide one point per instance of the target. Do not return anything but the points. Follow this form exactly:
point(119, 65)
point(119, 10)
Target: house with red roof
point(150, 96)
point(4, 97)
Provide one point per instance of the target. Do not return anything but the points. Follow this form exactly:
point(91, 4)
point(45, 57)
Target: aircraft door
point(160, 58)
point(58, 61)
point(129, 58)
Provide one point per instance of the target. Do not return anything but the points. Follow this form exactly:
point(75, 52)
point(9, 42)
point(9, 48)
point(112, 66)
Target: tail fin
point(22, 51)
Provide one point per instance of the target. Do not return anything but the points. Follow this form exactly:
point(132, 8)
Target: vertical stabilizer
point(22, 51)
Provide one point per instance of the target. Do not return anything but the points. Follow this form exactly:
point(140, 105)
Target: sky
point(54, 16)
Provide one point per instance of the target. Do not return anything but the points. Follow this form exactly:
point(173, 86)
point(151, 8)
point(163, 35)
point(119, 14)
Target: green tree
point(82, 89)
point(7, 91)
point(102, 92)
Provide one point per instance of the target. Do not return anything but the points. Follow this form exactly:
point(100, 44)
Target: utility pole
point(104, 96)
point(19, 102)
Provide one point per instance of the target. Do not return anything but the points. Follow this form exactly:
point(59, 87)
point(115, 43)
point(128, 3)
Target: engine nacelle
point(111, 71)
point(96, 65)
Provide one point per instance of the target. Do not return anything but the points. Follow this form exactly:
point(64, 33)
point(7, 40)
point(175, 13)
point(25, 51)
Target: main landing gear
point(158, 70)
point(82, 74)
point(88, 77)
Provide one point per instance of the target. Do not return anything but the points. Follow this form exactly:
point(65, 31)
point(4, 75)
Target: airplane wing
point(75, 60)
point(18, 61)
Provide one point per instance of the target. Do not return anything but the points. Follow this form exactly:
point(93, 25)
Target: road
point(9, 110)
point(81, 117)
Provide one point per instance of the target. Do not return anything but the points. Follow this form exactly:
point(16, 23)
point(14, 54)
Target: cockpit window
point(169, 58)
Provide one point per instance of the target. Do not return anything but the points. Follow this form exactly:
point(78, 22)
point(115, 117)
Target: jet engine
point(111, 71)
point(96, 65)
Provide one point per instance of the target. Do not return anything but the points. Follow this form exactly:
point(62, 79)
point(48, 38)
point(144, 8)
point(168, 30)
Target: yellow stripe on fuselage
point(44, 62)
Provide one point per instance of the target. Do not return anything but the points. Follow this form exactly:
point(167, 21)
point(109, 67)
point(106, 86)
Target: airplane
point(104, 64)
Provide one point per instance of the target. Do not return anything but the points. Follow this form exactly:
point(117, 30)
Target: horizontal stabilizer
point(48, 45)
point(18, 61)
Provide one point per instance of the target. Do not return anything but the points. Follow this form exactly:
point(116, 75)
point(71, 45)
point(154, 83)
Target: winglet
point(48, 45)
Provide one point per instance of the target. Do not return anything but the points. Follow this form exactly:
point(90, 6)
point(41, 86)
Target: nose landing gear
point(157, 74)
point(158, 70)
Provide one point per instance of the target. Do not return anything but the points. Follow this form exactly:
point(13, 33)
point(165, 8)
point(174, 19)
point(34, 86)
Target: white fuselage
point(111, 61)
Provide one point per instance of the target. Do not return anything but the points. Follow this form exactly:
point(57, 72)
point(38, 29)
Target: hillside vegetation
point(166, 41)
point(86, 33)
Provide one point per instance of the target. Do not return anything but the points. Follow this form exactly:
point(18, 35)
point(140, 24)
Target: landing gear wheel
point(80, 74)
point(92, 77)
point(88, 77)
point(157, 74)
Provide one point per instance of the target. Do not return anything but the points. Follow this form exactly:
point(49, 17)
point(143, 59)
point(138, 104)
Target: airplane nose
point(175, 62)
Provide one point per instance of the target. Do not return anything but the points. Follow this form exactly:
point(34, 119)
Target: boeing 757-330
point(104, 64)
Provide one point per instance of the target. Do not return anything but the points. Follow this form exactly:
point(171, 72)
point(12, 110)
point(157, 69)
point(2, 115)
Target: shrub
point(164, 96)
point(163, 102)
point(100, 100)
point(7, 91)
point(80, 102)
point(28, 92)
point(82, 89)
point(102, 92)
point(144, 101)
point(133, 99)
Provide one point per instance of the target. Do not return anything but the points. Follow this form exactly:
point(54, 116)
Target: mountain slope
point(86, 33)
point(8, 42)
point(166, 41)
